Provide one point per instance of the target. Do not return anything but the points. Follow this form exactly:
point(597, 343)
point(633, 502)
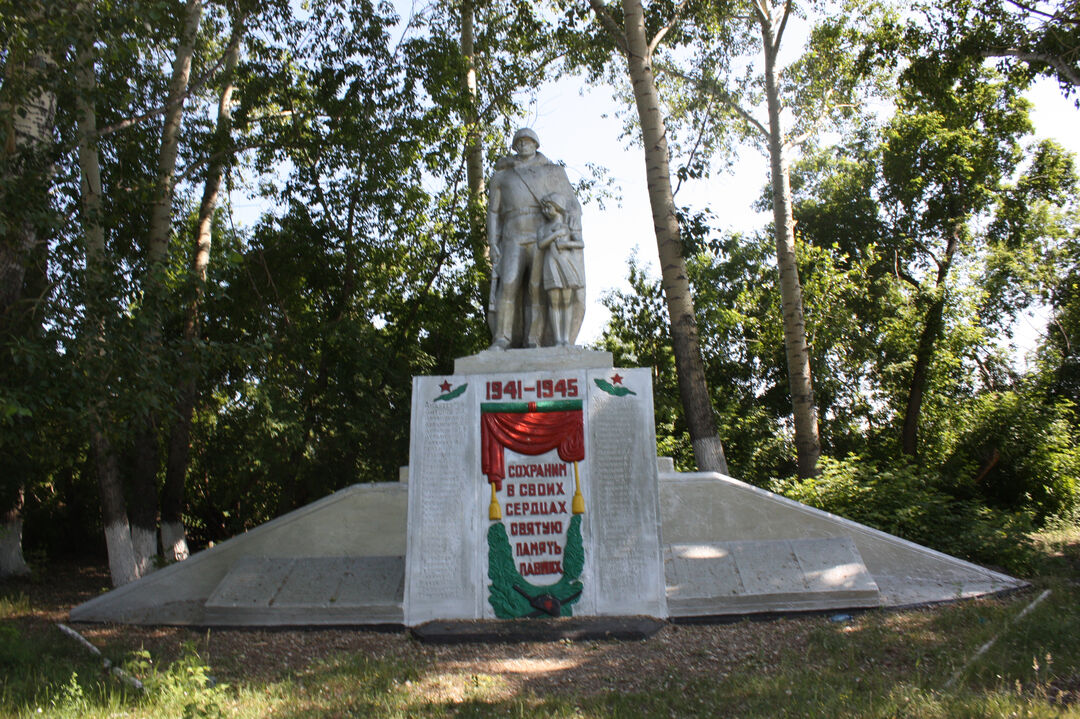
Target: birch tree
point(158, 238)
point(778, 108)
point(123, 566)
point(124, 406)
point(173, 536)
point(773, 22)
point(27, 118)
point(637, 48)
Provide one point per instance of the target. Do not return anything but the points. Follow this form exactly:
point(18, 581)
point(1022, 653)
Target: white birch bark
point(804, 409)
point(693, 389)
point(29, 122)
point(174, 545)
point(122, 566)
point(161, 217)
point(173, 536)
point(474, 148)
point(12, 562)
point(145, 496)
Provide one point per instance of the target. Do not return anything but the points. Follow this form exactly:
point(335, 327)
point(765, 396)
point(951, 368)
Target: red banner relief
point(529, 433)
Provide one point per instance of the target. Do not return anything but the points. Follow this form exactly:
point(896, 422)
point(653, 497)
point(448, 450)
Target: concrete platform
point(537, 630)
point(706, 508)
point(361, 521)
point(264, 591)
point(781, 575)
point(730, 549)
point(541, 358)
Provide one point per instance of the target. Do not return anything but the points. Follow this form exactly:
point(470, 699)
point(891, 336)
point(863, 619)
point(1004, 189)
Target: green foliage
point(187, 686)
point(915, 504)
point(1026, 39)
point(14, 653)
point(1018, 453)
point(313, 320)
point(637, 336)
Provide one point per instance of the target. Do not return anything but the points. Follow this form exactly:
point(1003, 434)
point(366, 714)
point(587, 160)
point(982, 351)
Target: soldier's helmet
point(523, 133)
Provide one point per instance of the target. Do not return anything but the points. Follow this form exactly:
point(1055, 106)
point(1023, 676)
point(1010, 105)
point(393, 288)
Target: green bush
point(1018, 453)
point(911, 502)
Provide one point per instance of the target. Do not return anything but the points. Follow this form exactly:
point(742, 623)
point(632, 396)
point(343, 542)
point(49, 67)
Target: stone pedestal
point(533, 490)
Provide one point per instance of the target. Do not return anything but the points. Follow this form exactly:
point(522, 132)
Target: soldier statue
point(516, 223)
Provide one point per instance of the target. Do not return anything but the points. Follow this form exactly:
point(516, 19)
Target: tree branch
point(816, 123)
point(750, 119)
point(191, 90)
point(610, 25)
point(1048, 16)
point(761, 13)
point(720, 95)
point(1057, 63)
point(232, 149)
point(783, 26)
point(1064, 335)
point(667, 28)
point(903, 274)
point(697, 143)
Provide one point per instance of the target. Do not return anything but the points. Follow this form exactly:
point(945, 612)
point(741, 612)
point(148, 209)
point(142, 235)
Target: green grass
point(879, 664)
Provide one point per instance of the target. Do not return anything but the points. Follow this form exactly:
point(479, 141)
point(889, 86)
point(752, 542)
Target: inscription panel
point(627, 562)
point(442, 546)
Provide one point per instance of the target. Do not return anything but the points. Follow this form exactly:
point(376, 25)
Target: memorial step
point(764, 576)
point(636, 628)
point(284, 591)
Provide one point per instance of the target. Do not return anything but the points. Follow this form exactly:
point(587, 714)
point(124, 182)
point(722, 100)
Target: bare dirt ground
point(449, 671)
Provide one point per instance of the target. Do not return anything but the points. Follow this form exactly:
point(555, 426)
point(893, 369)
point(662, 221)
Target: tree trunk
point(693, 390)
point(143, 497)
point(924, 353)
point(161, 217)
point(122, 564)
point(476, 208)
point(12, 563)
point(917, 388)
point(474, 147)
point(144, 479)
point(28, 120)
point(807, 441)
point(29, 124)
point(173, 537)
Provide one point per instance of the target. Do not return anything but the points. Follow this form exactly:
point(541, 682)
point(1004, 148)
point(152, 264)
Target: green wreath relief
point(512, 597)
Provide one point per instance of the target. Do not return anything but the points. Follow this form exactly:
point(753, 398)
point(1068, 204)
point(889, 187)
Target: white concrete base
point(492, 361)
point(364, 520)
point(707, 508)
point(780, 575)
point(268, 591)
point(787, 557)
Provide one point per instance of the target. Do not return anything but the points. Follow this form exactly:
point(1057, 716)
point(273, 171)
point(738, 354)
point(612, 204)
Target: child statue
point(563, 267)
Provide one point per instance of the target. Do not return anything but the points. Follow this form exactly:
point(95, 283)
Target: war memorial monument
point(534, 497)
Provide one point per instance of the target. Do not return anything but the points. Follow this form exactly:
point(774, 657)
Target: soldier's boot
point(504, 325)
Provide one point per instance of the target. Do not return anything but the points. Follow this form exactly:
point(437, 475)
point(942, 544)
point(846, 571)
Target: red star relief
point(445, 386)
point(617, 379)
